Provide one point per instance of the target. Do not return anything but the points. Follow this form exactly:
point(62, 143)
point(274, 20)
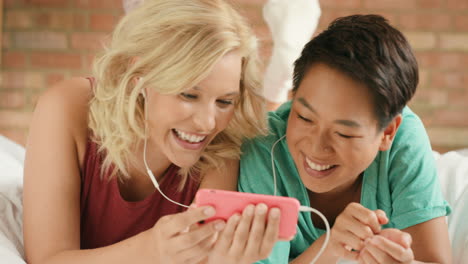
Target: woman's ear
point(390, 132)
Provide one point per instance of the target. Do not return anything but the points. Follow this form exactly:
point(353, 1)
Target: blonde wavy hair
point(176, 43)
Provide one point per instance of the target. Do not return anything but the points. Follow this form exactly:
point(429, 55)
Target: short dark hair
point(369, 50)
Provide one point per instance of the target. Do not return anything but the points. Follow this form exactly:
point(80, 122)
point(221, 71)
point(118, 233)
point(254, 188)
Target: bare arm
point(52, 185)
point(431, 242)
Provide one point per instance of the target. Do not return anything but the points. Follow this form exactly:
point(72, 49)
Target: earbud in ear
point(139, 79)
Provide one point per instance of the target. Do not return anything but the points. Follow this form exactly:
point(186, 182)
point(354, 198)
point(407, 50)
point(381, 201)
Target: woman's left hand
point(390, 246)
point(247, 238)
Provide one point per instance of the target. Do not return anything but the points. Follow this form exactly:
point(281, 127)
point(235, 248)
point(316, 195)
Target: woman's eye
point(303, 118)
point(189, 96)
point(225, 102)
point(344, 136)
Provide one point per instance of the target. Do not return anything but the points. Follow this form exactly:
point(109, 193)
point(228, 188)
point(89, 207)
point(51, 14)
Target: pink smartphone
point(228, 203)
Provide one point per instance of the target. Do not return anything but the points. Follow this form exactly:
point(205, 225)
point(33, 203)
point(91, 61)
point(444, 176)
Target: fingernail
point(261, 209)
point(209, 211)
point(407, 240)
point(249, 210)
point(274, 213)
point(220, 225)
point(236, 218)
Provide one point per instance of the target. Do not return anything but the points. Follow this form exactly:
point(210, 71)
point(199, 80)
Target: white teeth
point(189, 137)
point(316, 166)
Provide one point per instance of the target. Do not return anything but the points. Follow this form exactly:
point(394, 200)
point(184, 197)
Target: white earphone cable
point(273, 162)
point(150, 173)
point(303, 208)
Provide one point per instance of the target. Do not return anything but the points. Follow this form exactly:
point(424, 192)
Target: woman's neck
point(157, 162)
point(139, 185)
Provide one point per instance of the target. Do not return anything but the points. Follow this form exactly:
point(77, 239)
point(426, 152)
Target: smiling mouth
point(187, 137)
point(319, 167)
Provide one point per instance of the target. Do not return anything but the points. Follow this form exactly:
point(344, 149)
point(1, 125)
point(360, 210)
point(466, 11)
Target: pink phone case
point(228, 203)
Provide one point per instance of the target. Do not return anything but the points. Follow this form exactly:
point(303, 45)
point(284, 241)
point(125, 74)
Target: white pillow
point(452, 169)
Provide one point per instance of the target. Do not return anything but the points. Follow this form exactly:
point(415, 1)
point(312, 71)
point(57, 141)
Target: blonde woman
point(172, 98)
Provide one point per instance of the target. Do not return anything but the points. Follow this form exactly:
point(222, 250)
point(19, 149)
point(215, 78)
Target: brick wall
point(45, 41)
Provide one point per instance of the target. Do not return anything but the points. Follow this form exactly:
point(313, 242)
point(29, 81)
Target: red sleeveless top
point(106, 218)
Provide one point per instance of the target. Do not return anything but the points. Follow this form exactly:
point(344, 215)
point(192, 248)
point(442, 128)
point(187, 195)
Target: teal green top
point(401, 181)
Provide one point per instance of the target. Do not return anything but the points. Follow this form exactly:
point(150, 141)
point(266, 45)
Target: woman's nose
point(321, 144)
point(205, 119)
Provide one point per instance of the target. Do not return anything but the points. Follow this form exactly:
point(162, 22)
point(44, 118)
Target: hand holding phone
point(228, 203)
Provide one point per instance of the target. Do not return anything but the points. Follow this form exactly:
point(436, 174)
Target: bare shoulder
point(54, 157)
point(71, 96)
point(66, 104)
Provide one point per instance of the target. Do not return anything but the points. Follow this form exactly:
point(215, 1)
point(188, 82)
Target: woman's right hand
point(247, 238)
point(352, 227)
point(173, 241)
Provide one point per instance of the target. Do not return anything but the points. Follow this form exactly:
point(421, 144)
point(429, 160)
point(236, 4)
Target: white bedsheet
point(11, 181)
point(452, 169)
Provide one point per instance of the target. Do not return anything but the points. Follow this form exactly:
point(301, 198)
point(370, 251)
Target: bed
point(452, 168)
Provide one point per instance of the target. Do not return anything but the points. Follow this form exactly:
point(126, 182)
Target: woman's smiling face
point(182, 125)
point(332, 130)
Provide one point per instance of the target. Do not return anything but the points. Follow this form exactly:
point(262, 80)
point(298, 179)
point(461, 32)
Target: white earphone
point(143, 92)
